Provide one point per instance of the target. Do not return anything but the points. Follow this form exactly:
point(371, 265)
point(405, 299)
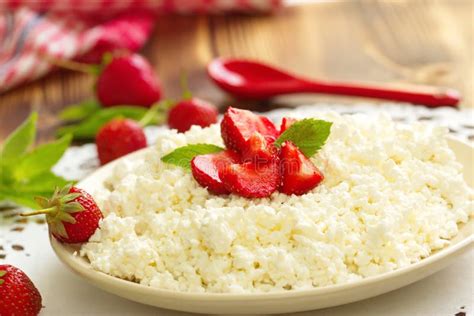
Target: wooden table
point(427, 42)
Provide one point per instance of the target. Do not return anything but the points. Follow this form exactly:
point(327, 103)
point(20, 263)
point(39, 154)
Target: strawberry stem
point(43, 211)
point(92, 69)
point(187, 94)
point(157, 111)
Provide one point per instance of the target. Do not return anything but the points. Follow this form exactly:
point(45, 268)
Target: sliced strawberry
point(298, 173)
point(238, 125)
point(206, 168)
point(252, 180)
point(286, 122)
point(259, 149)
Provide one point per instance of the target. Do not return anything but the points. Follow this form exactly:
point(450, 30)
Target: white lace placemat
point(79, 161)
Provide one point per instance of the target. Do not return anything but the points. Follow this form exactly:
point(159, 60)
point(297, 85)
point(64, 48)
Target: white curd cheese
point(392, 195)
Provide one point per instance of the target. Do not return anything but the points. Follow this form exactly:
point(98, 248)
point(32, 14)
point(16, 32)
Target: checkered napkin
point(85, 29)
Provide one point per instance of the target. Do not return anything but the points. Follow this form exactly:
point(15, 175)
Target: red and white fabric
point(85, 29)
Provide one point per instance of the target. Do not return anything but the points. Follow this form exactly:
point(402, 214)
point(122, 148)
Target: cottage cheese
point(392, 195)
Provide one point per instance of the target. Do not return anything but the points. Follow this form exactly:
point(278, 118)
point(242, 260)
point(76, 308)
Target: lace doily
point(79, 161)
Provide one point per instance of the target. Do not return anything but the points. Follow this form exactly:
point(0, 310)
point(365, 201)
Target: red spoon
point(249, 79)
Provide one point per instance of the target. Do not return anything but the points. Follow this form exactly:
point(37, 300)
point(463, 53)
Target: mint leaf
point(26, 174)
point(88, 128)
point(18, 198)
point(43, 182)
point(41, 159)
point(309, 135)
point(24, 192)
point(80, 111)
point(18, 142)
point(182, 156)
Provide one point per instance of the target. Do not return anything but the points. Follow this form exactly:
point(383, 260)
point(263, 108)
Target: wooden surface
point(409, 41)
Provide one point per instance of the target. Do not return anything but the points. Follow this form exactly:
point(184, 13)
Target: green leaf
point(80, 111)
point(20, 140)
point(182, 156)
point(44, 182)
point(24, 193)
point(20, 198)
point(88, 128)
point(309, 135)
point(41, 159)
point(23, 174)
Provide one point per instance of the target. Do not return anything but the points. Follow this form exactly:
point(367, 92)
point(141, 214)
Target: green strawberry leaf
point(309, 135)
point(182, 156)
point(20, 140)
point(80, 111)
point(88, 128)
point(41, 159)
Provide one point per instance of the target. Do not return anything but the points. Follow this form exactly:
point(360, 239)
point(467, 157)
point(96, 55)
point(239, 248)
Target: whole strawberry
point(18, 295)
point(71, 213)
point(118, 138)
point(128, 80)
point(192, 112)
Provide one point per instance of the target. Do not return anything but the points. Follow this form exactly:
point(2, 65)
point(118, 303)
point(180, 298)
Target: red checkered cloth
point(85, 29)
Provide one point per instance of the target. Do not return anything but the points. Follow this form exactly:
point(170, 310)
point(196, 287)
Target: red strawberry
point(118, 138)
point(238, 125)
point(259, 149)
point(206, 169)
point(128, 80)
point(298, 173)
point(251, 180)
point(286, 122)
point(192, 112)
point(18, 295)
point(71, 213)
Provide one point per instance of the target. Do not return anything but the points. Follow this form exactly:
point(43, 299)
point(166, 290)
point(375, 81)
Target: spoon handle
point(425, 95)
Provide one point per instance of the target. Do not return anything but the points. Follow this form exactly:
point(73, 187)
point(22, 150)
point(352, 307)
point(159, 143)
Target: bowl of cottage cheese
point(396, 205)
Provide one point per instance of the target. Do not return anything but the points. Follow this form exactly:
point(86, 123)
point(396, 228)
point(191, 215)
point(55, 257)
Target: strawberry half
point(238, 125)
point(298, 174)
point(286, 122)
point(206, 169)
point(259, 149)
point(251, 180)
